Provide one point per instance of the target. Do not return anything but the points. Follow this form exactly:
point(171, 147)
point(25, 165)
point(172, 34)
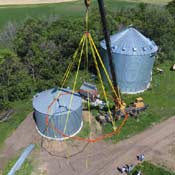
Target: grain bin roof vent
point(131, 42)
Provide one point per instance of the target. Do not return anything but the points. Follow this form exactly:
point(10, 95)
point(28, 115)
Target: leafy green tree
point(171, 7)
point(14, 81)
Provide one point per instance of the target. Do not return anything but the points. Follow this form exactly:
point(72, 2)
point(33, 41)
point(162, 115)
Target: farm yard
point(34, 39)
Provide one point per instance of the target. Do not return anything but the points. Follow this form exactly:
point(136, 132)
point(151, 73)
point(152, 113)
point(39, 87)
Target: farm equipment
point(137, 107)
point(133, 110)
point(103, 118)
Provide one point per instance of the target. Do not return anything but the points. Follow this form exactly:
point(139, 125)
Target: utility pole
point(108, 44)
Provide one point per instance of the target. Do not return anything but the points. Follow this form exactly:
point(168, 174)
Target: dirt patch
point(20, 2)
point(54, 146)
point(86, 116)
point(95, 127)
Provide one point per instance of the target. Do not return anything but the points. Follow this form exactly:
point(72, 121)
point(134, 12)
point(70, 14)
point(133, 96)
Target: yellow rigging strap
point(74, 86)
point(67, 73)
point(65, 77)
point(102, 85)
point(106, 73)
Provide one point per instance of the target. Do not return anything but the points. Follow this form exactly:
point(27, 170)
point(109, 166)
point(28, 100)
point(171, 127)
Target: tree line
point(34, 55)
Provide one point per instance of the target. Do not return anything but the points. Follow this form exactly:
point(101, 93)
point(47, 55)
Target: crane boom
point(108, 44)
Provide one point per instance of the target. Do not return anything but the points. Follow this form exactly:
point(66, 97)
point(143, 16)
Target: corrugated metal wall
point(133, 72)
point(57, 119)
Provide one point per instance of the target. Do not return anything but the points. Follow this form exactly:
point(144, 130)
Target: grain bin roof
point(131, 42)
point(42, 100)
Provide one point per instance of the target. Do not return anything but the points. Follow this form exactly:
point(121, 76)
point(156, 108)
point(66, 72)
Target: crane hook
point(87, 3)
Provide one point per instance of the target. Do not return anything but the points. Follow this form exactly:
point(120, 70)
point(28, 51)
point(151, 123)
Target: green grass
point(84, 133)
point(22, 109)
point(18, 13)
point(150, 169)
point(21, 12)
point(26, 168)
point(161, 105)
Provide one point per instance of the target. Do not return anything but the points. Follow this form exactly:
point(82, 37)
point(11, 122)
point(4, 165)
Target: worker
point(141, 157)
point(123, 169)
point(138, 173)
point(129, 168)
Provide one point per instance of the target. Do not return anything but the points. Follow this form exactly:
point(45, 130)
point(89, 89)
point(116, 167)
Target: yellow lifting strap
point(67, 73)
point(74, 85)
point(101, 82)
point(106, 73)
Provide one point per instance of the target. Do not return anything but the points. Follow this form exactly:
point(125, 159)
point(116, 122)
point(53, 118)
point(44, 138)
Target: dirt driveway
point(158, 144)
point(18, 2)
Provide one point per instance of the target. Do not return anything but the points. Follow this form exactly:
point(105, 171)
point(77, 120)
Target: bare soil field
point(77, 157)
point(20, 2)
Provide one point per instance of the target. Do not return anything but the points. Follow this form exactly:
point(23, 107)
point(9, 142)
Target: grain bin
point(133, 59)
point(65, 111)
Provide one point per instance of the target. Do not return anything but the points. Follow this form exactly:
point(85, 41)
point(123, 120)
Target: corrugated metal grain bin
point(65, 114)
point(133, 58)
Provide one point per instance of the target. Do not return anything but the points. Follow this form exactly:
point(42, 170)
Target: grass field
point(72, 9)
point(150, 169)
point(76, 9)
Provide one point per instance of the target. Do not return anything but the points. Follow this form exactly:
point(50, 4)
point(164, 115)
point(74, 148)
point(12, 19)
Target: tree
point(171, 8)
point(14, 81)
